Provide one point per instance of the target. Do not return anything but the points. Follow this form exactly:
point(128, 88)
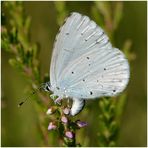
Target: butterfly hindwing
point(97, 74)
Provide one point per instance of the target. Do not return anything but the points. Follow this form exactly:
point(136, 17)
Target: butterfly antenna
point(29, 96)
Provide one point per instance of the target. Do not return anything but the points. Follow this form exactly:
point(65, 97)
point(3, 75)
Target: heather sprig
point(111, 109)
point(16, 40)
point(63, 123)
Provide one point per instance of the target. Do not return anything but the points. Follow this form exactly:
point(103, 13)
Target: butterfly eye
point(47, 88)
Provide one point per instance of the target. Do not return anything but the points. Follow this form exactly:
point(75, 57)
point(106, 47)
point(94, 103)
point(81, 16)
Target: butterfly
point(84, 64)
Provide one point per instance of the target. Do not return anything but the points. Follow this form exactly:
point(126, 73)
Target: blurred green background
point(19, 126)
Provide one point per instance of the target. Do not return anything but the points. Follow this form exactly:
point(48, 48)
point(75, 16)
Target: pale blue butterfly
point(84, 64)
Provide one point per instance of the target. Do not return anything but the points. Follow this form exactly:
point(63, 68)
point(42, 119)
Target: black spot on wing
point(83, 80)
point(58, 88)
point(102, 34)
point(91, 92)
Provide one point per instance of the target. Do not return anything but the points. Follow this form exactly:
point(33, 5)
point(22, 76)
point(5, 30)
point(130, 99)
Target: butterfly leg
point(68, 103)
point(58, 101)
point(77, 106)
point(53, 97)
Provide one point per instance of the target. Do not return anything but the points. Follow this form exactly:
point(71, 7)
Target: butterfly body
point(84, 64)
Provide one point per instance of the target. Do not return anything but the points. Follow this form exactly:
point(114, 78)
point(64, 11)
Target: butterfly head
point(47, 87)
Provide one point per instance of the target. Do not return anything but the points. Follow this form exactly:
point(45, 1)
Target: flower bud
point(52, 126)
point(69, 134)
point(81, 123)
point(66, 111)
point(64, 119)
point(51, 110)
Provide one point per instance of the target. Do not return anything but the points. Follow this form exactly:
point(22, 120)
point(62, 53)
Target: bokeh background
point(19, 126)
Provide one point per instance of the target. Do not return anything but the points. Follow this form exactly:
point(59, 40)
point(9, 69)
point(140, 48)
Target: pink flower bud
point(69, 134)
point(66, 111)
point(81, 123)
point(51, 126)
point(64, 119)
point(49, 111)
